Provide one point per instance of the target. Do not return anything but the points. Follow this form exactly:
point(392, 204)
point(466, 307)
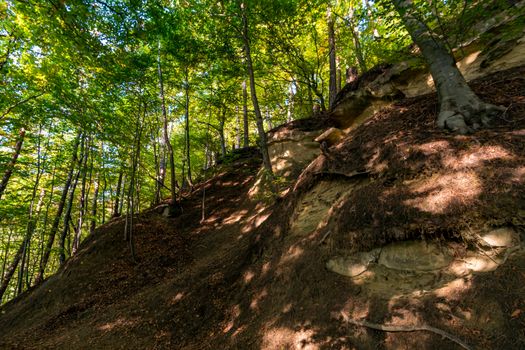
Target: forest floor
point(253, 275)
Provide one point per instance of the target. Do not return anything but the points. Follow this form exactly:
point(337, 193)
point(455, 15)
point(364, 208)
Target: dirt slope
point(253, 276)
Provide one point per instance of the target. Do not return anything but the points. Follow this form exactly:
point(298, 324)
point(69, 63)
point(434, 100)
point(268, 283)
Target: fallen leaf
point(516, 313)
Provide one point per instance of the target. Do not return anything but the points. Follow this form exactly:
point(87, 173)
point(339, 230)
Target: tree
point(332, 54)
point(460, 109)
point(263, 142)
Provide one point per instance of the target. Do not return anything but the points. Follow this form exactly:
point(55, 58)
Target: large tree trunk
point(460, 110)
point(60, 209)
point(258, 116)
point(332, 84)
point(12, 163)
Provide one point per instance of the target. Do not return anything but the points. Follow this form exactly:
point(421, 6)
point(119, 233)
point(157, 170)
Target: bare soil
point(240, 280)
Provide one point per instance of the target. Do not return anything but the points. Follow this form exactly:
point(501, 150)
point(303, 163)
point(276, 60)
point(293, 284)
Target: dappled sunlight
point(177, 298)
point(433, 147)
point(248, 276)
point(236, 217)
point(476, 158)
point(435, 194)
point(118, 323)
point(234, 312)
point(254, 304)
point(255, 220)
point(518, 175)
point(454, 289)
point(285, 338)
point(292, 254)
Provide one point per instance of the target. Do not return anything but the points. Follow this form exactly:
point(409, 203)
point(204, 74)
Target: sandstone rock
point(414, 256)
point(354, 265)
point(501, 237)
point(330, 136)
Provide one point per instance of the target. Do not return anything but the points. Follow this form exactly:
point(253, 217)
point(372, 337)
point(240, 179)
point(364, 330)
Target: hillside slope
point(291, 275)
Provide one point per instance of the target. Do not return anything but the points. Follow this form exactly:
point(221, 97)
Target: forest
point(132, 129)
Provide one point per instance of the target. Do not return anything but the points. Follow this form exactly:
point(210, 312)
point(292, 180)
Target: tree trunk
point(291, 98)
point(222, 139)
point(269, 118)
point(258, 116)
point(332, 85)
point(460, 110)
point(83, 201)
point(187, 124)
point(31, 222)
point(67, 217)
point(238, 128)
point(12, 163)
point(60, 209)
point(93, 224)
point(173, 180)
point(10, 271)
point(246, 134)
point(116, 205)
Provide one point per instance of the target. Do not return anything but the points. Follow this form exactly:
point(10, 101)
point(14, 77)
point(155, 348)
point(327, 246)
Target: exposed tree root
point(423, 327)
point(469, 118)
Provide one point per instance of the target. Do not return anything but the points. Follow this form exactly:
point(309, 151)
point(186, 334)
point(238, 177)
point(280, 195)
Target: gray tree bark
point(246, 133)
point(258, 115)
point(460, 110)
point(12, 163)
point(60, 209)
point(332, 83)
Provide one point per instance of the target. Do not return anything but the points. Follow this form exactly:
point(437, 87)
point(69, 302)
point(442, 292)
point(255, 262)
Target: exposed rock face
point(290, 152)
point(417, 266)
point(414, 256)
point(411, 78)
point(330, 137)
point(355, 265)
point(315, 205)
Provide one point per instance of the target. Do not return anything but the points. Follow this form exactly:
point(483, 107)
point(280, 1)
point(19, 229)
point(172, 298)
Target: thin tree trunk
point(156, 157)
point(222, 139)
point(60, 209)
point(104, 197)
point(122, 194)
point(31, 222)
point(67, 215)
point(83, 200)
point(173, 180)
point(339, 75)
point(12, 163)
point(460, 109)
point(238, 128)
point(246, 124)
point(332, 85)
point(291, 98)
point(10, 271)
point(187, 124)
point(116, 206)
point(31, 226)
point(6, 252)
point(94, 206)
point(263, 143)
